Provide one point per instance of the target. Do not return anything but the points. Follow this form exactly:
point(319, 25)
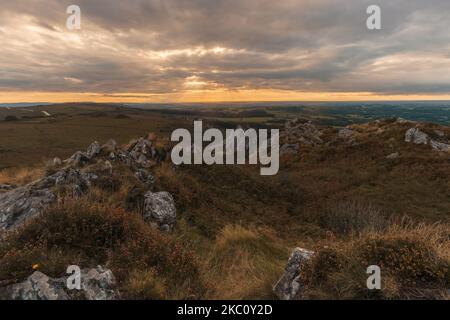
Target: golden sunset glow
point(185, 52)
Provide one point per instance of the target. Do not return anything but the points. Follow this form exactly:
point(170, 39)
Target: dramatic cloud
point(159, 47)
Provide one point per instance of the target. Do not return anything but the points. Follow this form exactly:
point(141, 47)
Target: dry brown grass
point(21, 176)
point(414, 261)
point(245, 263)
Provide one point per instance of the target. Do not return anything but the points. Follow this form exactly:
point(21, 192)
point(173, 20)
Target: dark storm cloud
point(160, 46)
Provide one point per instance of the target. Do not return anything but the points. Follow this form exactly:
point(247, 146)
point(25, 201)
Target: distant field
point(29, 135)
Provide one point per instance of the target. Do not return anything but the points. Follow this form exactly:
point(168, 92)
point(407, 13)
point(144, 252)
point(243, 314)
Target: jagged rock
point(77, 159)
point(416, 136)
point(159, 210)
point(300, 132)
point(289, 286)
point(38, 287)
point(22, 203)
point(142, 152)
point(440, 146)
point(139, 152)
point(25, 202)
point(393, 156)
point(96, 284)
point(145, 177)
point(93, 150)
point(78, 182)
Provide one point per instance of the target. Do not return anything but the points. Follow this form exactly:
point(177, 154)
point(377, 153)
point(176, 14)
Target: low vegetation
point(235, 229)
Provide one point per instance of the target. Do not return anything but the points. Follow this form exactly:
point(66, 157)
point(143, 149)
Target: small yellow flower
point(35, 266)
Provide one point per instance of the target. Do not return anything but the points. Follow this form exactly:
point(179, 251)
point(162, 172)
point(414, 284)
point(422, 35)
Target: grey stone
point(93, 150)
point(99, 284)
point(20, 204)
point(440, 146)
point(160, 208)
point(416, 136)
point(289, 286)
point(96, 284)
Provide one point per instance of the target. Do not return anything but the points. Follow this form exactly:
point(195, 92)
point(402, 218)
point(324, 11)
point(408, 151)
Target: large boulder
point(19, 204)
point(96, 284)
point(160, 210)
point(37, 287)
point(289, 286)
point(415, 135)
point(93, 150)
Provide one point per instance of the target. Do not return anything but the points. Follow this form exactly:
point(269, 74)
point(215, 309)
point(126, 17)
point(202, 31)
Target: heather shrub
point(414, 262)
point(86, 233)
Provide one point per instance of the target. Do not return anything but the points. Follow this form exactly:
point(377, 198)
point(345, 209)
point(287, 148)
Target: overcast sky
point(181, 50)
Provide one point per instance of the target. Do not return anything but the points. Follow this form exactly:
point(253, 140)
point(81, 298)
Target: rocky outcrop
point(297, 133)
point(139, 153)
point(440, 146)
point(96, 284)
point(37, 287)
point(289, 286)
point(93, 150)
point(415, 135)
point(81, 158)
point(22, 203)
point(159, 210)
point(25, 202)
